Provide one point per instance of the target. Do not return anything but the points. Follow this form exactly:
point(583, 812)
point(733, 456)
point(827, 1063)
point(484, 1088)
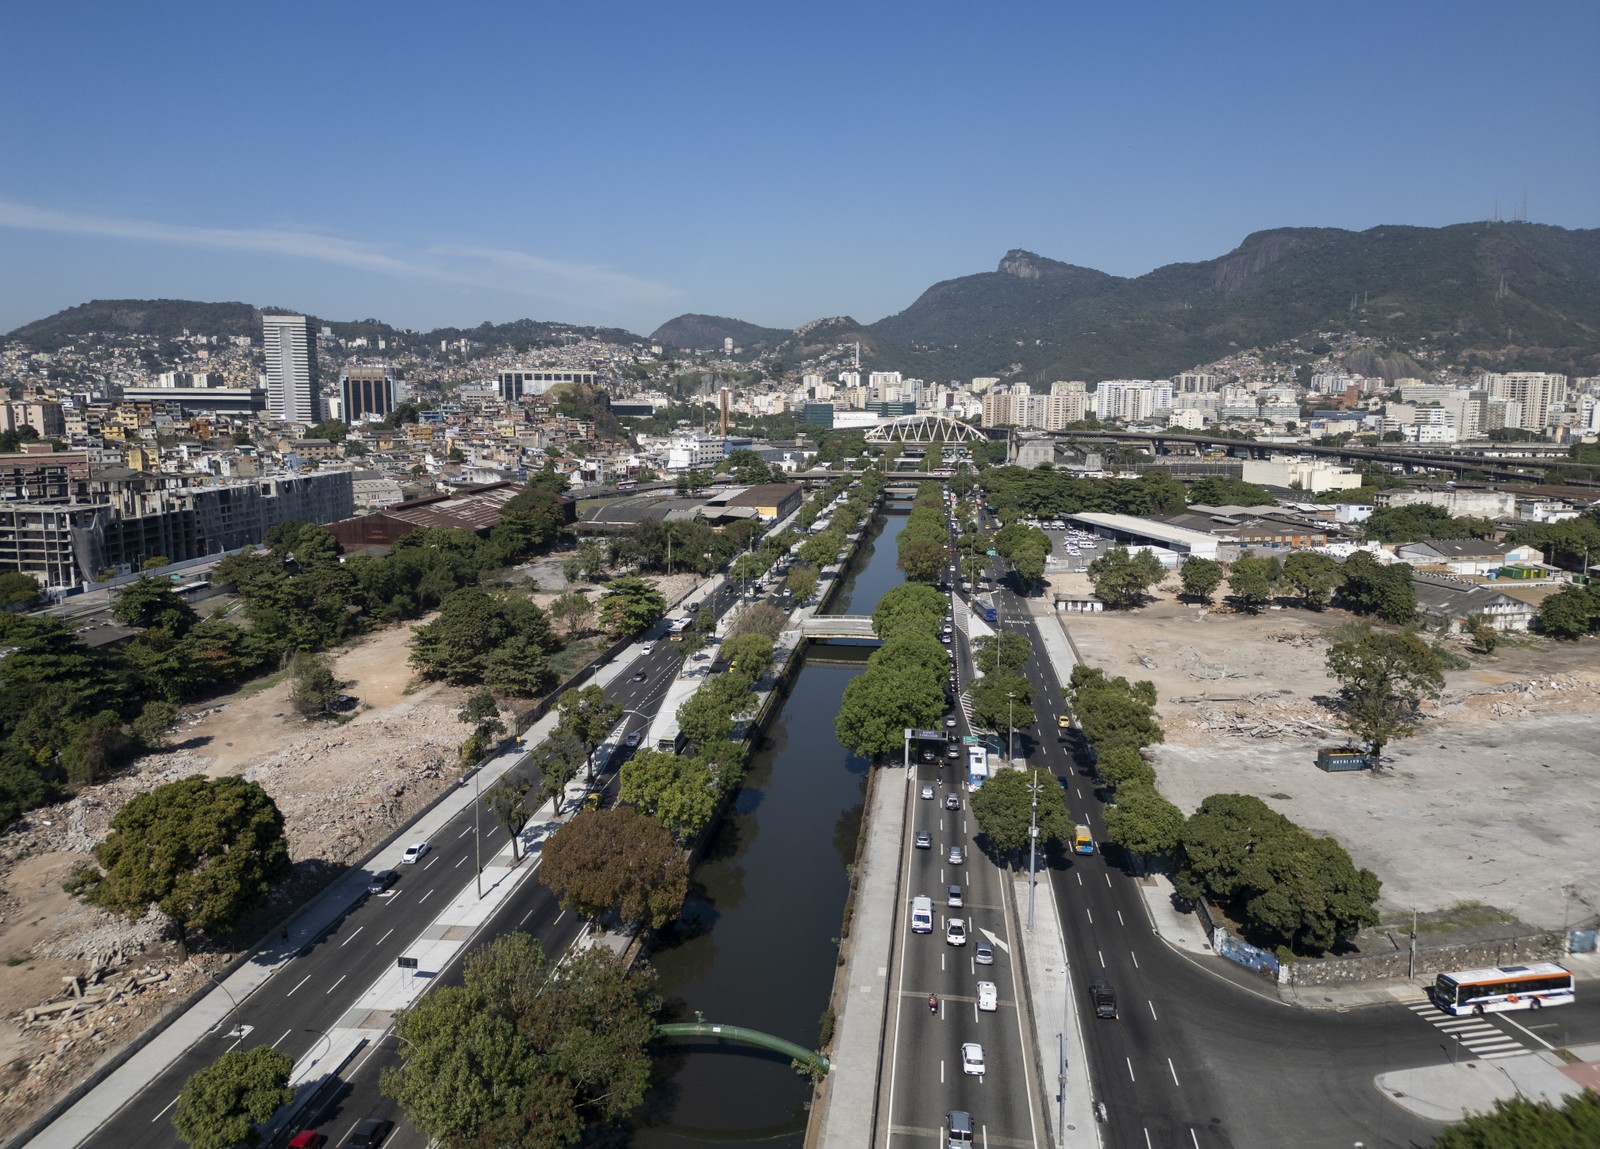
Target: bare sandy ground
point(1495, 799)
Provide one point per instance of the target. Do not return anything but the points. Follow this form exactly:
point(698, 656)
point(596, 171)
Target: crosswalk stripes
point(1481, 1038)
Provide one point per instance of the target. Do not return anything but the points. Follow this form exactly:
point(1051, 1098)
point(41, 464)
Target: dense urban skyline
point(773, 165)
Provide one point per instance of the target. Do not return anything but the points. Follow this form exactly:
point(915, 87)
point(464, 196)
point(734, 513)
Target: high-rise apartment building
point(291, 354)
point(1537, 392)
point(366, 389)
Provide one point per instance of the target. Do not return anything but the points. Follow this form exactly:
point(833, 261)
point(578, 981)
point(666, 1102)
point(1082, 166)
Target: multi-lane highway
point(308, 994)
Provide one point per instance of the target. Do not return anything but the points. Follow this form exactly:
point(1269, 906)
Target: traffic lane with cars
point(530, 909)
point(924, 1064)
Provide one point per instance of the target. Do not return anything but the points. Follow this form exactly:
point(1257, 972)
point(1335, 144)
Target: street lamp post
point(1033, 845)
point(1011, 730)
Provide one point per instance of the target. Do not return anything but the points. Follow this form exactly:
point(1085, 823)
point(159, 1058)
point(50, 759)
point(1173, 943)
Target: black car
point(382, 880)
point(1104, 999)
point(369, 1134)
point(638, 676)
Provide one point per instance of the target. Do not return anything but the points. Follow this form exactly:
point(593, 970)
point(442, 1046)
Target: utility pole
point(1011, 729)
point(477, 836)
point(1033, 845)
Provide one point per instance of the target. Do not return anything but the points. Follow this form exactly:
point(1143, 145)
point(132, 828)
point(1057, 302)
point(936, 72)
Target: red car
point(308, 1140)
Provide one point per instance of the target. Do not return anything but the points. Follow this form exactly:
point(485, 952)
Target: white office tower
point(291, 354)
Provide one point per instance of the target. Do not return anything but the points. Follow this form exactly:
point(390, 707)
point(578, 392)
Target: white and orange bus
point(1501, 988)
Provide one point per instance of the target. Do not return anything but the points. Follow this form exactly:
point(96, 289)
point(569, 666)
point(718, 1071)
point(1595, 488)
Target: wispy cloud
point(503, 270)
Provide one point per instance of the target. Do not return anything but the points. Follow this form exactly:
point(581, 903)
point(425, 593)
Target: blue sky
point(621, 163)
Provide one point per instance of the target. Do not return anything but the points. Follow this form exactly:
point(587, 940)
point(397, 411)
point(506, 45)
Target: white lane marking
point(1147, 1144)
point(431, 861)
point(298, 984)
point(351, 938)
point(1120, 922)
point(1194, 1137)
point(1080, 879)
point(1131, 1077)
point(1152, 1006)
point(1528, 1031)
point(1108, 880)
point(335, 985)
point(384, 938)
point(559, 916)
point(1102, 957)
point(1174, 1073)
point(464, 833)
point(525, 918)
point(286, 1033)
point(458, 864)
point(941, 1071)
point(425, 897)
point(163, 1113)
point(1089, 914)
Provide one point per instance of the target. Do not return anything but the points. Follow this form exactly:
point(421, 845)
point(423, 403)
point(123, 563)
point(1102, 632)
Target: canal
point(757, 942)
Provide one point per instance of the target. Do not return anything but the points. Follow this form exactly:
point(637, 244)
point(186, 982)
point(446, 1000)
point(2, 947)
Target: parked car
point(414, 853)
point(923, 840)
point(382, 880)
point(988, 997)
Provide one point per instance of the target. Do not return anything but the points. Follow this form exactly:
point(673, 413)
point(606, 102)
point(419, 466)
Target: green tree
point(617, 861)
point(1571, 612)
point(155, 719)
point(675, 789)
point(523, 1053)
point(1251, 579)
point(1383, 680)
point(151, 604)
point(800, 582)
point(629, 607)
point(482, 713)
point(518, 668)
point(315, 691)
point(1521, 1123)
point(220, 1106)
point(1216, 492)
point(1484, 634)
point(1122, 765)
point(1113, 713)
point(1122, 580)
point(1002, 702)
point(508, 801)
point(878, 705)
point(1312, 576)
point(1368, 587)
point(911, 604)
point(18, 589)
point(1143, 822)
point(1200, 577)
point(1004, 653)
point(330, 429)
point(202, 851)
point(586, 715)
point(1004, 807)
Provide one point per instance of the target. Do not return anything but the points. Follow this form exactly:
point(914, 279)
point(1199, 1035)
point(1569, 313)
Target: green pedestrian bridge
point(740, 1033)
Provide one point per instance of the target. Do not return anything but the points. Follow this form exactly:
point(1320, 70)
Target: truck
point(985, 608)
point(1082, 840)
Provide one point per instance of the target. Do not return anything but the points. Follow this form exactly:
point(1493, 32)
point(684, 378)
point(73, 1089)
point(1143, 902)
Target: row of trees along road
point(924, 542)
point(903, 684)
point(1286, 887)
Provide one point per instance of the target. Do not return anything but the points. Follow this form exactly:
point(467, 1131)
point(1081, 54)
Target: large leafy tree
point(472, 628)
point(1369, 587)
point(878, 705)
point(1383, 680)
point(1122, 580)
point(1252, 580)
point(508, 802)
point(630, 606)
point(1521, 1123)
point(523, 1053)
point(1004, 807)
point(1143, 822)
point(1571, 612)
point(150, 603)
point(1199, 577)
point(911, 604)
point(677, 790)
point(1113, 712)
point(202, 851)
point(1287, 886)
point(1312, 576)
point(1002, 702)
point(220, 1106)
point(1003, 653)
point(616, 861)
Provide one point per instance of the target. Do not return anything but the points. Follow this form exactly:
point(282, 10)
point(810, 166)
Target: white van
point(922, 915)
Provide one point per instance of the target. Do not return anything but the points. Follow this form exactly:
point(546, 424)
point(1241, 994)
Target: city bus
point(1500, 988)
point(977, 767)
point(628, 485)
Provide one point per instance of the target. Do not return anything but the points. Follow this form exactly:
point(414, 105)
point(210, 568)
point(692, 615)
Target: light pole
point(1011, 729)
point(233, 1005)
point(1033, 843)
point(477, 834)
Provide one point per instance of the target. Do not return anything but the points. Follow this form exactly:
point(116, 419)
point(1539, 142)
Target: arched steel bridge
point(925, 429)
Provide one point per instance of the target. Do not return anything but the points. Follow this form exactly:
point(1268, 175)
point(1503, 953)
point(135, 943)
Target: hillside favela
point(730, 576)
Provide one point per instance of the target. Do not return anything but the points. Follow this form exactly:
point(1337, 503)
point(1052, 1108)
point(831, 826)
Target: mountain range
point(1485, 295)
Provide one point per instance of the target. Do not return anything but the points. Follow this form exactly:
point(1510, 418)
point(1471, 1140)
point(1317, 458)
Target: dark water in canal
point(756, 944)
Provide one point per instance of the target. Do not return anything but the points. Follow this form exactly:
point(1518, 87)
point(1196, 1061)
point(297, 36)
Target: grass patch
point(265, 682)
point(576, 654)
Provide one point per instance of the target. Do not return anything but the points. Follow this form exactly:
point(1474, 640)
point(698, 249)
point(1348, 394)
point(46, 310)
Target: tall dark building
point(366, 389)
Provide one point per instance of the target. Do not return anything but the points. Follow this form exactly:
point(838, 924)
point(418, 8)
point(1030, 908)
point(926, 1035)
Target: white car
point(972, 1059)
point(647, 648)
point(927, 791)
point(988, 997)
point(955, 933)
point(414, 853)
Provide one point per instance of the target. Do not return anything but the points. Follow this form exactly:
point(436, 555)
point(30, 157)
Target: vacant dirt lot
point(1495, 799)
point(341, 788)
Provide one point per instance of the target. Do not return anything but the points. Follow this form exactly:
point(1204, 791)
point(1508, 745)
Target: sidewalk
point(849, 1096)
point(1042, 954)
point(1447, 1093)
point(450, 932)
